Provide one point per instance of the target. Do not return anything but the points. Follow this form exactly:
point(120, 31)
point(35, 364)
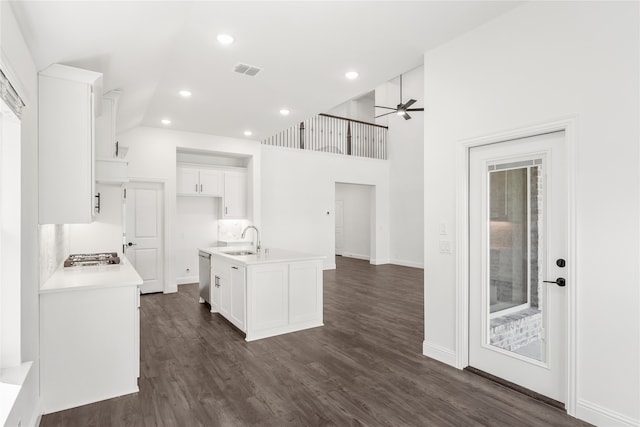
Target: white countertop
point(92, 276)
point(265, 256)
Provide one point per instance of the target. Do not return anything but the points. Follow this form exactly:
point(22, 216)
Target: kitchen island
point(89, 335)
point(266, 293)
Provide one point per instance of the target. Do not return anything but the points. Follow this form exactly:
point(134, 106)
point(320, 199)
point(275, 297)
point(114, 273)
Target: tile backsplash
point(54, 248)
point(231, 229)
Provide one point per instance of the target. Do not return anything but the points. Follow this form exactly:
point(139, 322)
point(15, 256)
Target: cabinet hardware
point(226, 210)
point(201, 188)
point(196, 188)
point(97, 205)
point(234, 267)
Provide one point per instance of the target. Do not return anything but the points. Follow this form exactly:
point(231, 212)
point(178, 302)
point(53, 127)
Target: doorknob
point(131, 244)
point(560, 281)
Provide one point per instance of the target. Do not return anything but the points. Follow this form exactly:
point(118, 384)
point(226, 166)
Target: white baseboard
point(356, 256)
point(379, 261)
point(187, 279)
point(329, 266)
point(405, 263)
point(600, 416)
point(439, 353)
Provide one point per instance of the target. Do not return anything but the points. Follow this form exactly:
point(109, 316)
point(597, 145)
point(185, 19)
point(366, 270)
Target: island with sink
point(265, 292)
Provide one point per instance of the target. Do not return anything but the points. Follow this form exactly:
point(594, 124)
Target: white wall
point(406, 168)
point(196, 227)
point(152, 156)
point(360, 108)
point(538, 63)
point(357, 213)
point(17, 63)
point(104, 234)
point(298, 189)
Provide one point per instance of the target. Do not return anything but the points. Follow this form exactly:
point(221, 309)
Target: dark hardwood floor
point(364, 367)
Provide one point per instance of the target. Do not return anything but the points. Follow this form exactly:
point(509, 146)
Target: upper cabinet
point(235, 195)
point(199, 182)
point(69, 101)
point(111, 168)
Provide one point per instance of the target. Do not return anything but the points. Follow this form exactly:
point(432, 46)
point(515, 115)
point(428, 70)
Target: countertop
point(93, 276)
point(265, 256)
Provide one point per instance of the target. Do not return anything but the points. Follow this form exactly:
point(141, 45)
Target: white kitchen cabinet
point(68, 102)
point(235, 195)
point(106, 126)
point(89, 347)
point(199, 182)
point(238, 312)
point(271, 293)
point(110, 167)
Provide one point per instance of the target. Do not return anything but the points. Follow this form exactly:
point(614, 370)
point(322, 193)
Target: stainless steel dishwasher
point(204, 272)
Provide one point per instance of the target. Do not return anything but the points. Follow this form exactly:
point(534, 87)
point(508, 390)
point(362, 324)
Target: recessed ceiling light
point(351, 75)
point(225, 39)
point(284, 112)
point(185, 93)
point(248, 133)
point(165, 121)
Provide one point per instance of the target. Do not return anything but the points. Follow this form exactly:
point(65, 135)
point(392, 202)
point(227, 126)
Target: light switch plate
point(445, 247)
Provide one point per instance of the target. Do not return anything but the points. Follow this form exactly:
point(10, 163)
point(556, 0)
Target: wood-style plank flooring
point(364, 367)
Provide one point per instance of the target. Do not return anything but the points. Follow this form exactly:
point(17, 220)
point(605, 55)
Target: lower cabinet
point(269, 299)
point(89, 345)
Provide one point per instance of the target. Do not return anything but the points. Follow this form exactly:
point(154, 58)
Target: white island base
point(268, 294)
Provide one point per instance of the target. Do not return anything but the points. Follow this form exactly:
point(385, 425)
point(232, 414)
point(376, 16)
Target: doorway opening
point(354, 216)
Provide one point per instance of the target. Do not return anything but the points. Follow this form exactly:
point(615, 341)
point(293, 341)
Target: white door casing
point(143, 237)
point(493, 237)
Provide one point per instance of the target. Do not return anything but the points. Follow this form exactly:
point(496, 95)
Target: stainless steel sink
point(238, 253)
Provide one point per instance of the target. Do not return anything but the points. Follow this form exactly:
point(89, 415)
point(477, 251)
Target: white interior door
point(339, 226)
point(143, 233)
point(517, 241)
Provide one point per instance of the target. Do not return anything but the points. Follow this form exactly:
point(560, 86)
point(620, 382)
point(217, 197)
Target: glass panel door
point(515, 220)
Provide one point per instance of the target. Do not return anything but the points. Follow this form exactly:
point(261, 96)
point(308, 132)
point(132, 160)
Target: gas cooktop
point(104, 258)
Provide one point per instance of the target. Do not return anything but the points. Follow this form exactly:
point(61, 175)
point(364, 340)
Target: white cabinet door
point(215, 291)
point(238, 296)
point(187, 181)
point(211, 183)
point(66, 128)
point(223, 271)
point(235, 195)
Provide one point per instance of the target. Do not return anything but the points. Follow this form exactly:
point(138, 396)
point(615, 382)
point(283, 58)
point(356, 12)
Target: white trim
point(597, 415)
point(356, 256)
point(329, 266)
point(406, 263)
point(379, 261)
point(461, 355)
point(187, 280)
point(439, 353)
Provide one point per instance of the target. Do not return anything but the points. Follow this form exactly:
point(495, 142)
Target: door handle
point(132, 244)
point(560, 281)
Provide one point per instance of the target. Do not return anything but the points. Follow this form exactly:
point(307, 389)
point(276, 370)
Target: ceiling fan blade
point(414, 109)
point(404, 115)
point(380, 106)
point(385, 114)
point(408, 104)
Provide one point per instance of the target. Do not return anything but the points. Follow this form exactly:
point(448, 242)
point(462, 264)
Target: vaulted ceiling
point(151, 50)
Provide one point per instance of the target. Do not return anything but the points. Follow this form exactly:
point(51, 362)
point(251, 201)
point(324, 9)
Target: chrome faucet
point(244, 232)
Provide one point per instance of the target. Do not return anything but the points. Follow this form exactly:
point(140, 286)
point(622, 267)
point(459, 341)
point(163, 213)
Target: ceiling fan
point(401, 108)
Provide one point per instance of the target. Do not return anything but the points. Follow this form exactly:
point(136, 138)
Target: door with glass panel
point(517, 262)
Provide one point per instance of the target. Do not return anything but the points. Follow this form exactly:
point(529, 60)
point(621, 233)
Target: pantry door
point(143, 232)
point(518, 237)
